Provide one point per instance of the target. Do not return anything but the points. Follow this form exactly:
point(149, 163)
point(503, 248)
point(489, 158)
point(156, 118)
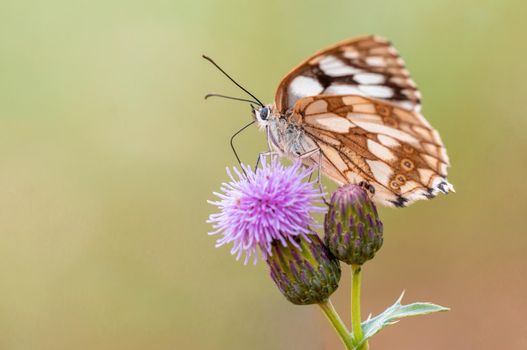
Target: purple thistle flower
point(258, 207)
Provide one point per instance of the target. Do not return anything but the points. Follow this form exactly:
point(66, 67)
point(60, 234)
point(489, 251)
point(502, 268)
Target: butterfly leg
point(310, 154)
point(269, 152)
point(263, 155)
point(316, 153)
point(268, 132)
point(367, 187)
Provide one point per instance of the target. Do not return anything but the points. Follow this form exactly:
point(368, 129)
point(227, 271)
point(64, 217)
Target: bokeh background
point(108, 153)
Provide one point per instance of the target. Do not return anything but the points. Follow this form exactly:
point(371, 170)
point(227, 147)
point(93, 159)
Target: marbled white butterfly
point(353, 109)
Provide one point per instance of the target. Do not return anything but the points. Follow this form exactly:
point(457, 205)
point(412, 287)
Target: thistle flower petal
point(258, 207)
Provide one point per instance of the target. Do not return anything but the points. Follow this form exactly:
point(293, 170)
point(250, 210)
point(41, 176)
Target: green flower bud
point(304, 270)
point(353, 231)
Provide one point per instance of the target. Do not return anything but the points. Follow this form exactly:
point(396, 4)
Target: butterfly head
point(263, 115)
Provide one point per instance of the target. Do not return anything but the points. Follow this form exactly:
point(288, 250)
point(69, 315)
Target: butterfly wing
point(366, 66)
point(363, 139)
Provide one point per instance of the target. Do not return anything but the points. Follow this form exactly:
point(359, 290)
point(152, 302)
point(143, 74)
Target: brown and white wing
point(365, 66)
point(363, 139)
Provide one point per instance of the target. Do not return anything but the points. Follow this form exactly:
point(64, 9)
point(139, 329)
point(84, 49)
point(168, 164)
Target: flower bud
point(353, 231)
point(304, 270)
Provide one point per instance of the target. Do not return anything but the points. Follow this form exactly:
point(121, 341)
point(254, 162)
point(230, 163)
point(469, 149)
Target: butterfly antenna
point(232, 144)
point(231, 79)
point(230, 98)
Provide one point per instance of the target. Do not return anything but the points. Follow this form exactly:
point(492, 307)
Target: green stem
point(338, 325)
point(358, 336)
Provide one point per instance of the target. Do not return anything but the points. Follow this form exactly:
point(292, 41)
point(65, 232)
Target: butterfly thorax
point(284, 135)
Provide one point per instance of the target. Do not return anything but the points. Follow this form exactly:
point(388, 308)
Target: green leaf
point(395, 312)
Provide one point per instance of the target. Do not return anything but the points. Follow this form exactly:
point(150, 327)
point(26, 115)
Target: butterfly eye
point(264, 113)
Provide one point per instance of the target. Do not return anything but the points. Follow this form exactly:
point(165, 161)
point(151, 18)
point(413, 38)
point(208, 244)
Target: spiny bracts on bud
point(353, 231)
point(304, 270)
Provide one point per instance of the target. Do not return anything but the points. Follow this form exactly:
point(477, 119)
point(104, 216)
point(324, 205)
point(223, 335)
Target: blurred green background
point(108, 153)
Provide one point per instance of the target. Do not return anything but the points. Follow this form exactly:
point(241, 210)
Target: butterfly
point(353, 110)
